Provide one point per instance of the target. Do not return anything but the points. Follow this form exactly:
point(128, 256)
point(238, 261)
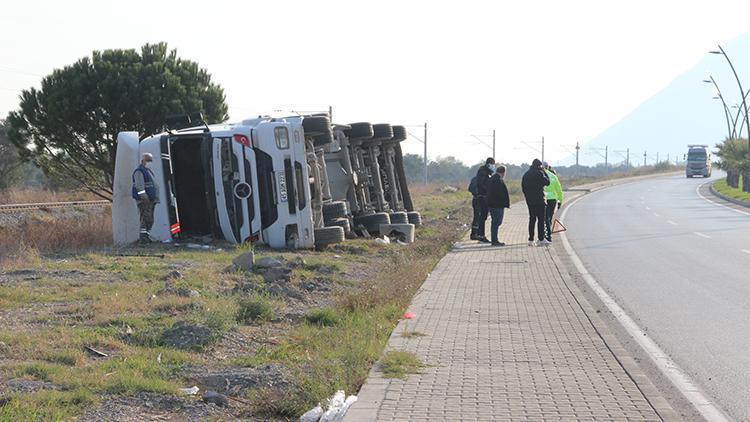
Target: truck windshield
point(697, 156)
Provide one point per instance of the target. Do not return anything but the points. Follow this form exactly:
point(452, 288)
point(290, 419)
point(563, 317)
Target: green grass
point(256, 308)
point(399, 364)
point(736, 193)
point(323, 317)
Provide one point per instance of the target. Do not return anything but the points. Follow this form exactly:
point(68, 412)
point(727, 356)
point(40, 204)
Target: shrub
point(323, 317)
point(255, 309)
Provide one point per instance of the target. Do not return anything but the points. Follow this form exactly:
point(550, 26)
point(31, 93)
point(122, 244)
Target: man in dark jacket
point(483, 179)
point(532, 184)
point(497, 201)
point(474, 207)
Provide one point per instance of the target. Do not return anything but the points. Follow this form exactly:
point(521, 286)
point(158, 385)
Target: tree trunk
point(746, 182)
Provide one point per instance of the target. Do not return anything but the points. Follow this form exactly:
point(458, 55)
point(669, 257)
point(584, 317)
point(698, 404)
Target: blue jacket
point(149, 187)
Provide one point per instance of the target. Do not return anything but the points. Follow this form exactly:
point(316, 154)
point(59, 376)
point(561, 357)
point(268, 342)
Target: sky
point(563, 70)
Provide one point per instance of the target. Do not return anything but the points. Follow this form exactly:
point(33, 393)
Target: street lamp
point(730, 132)
point(739, 84)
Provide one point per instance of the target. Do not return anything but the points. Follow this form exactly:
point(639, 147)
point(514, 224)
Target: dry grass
point(30, 196)
point(42, 233)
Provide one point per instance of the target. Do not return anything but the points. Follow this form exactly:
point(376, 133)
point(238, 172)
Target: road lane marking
point(697, 191)
point(656, 215)
point(679, 378)
point(746, 251)
point(648, 208)
point(702, 235)
point(671, 222)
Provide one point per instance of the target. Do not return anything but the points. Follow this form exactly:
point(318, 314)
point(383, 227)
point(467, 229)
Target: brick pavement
point(509, 337)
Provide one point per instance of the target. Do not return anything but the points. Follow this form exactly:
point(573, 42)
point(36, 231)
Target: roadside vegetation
point(723, 188)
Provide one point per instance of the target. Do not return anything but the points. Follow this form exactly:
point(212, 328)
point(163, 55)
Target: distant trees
point(735, 160)
point(69, 126)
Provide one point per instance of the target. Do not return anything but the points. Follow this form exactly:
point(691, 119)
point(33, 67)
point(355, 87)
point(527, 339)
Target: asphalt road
point(680, 267)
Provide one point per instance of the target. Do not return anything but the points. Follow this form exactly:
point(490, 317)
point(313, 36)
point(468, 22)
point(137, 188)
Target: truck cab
point(698, 161)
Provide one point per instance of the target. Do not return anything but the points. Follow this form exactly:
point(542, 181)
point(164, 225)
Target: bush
point(323, 317)
point(255, 309)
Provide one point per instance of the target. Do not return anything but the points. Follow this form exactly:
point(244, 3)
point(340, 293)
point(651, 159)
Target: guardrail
point(12, 208)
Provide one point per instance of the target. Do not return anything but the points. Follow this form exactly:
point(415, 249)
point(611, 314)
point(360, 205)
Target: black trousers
point(550, 212)
point(475, 217)
point(482, 216)
point(536, 218)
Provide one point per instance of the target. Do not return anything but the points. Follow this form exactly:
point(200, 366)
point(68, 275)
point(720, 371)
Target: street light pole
point(742, 91)
point(493, 143)
point(577, 149)
point(711, 80)
point(644, 158)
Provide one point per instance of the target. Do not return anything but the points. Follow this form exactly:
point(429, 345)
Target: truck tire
point(382, 131)
point(372, 222)
point(325, 236)
point(334, 210)
point(362, 130)
point(340, 222)
point(414, 218)
point(399, 133)
point(399, 217)
point(316, 125)
point(322, 140)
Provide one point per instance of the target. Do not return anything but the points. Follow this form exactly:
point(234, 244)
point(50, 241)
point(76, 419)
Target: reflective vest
point(148, 183)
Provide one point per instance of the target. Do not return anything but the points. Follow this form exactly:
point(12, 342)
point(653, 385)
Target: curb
point(716, 193)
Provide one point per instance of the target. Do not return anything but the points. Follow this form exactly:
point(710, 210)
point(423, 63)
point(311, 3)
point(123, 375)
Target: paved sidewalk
point(509, 337)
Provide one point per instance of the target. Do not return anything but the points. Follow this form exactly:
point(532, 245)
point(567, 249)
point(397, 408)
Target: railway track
point(15, 208)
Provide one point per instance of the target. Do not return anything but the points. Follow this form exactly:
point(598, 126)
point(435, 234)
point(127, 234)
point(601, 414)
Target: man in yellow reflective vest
point(554, 195)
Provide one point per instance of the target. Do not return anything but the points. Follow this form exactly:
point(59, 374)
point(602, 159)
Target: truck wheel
point(382, 132)
point(334, 210)
point(399, 218)
point(415, 218)
point(322, 140)
point(316, 125)
point(340, 222)
point(362, 130)
point(325, 236)
point(372, 222)
point(399, 133)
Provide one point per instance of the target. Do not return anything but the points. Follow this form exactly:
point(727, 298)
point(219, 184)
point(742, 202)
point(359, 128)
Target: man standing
point(554, 195)
point(483, 179)
point(146, 194)
point(474, 207)
point(532, 184)
point(497, 201)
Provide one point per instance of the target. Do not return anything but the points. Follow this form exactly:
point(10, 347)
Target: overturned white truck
point(263, 180)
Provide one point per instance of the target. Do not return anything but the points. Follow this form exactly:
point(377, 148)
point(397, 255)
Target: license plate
point(282, 188)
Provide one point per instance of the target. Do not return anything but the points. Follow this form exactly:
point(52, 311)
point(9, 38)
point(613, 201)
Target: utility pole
point(627, 158)
point(667, 158)
point(425, 153)
point(644, 158)
point(542, 148)
point(330, 113)
point(493, 143)
point(606, 155)
point(657, 157)
point(577, 149)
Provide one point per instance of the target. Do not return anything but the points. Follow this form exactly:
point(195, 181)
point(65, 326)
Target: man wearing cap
point(146, 195)
point(483, 179)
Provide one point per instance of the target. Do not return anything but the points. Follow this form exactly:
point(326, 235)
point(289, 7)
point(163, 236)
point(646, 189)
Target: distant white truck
point(243, 182)
point(698, 161)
